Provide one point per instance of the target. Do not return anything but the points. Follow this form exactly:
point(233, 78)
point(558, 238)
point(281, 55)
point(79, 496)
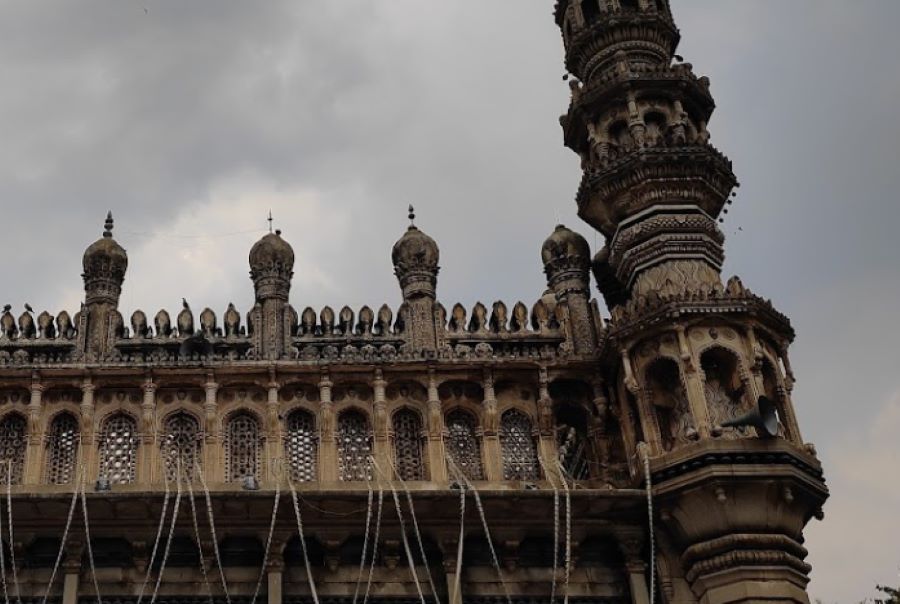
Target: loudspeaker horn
point(763, 417)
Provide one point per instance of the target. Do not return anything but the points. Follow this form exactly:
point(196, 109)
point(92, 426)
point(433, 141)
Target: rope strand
point(312, 583)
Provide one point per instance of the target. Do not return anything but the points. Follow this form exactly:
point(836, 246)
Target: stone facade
point(423, 454)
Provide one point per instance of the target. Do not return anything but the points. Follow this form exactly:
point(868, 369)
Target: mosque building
point(519, 453)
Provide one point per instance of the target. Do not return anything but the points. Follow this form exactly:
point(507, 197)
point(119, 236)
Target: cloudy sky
point(190, 120)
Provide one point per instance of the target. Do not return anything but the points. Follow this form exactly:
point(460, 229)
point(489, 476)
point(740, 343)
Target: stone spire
point(271, 269)
point(566, 258)
point(415, 257)
point(99, 322)
point(652, 183)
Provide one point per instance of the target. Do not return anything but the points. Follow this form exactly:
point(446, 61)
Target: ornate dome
point(271, 252)
point(564, 243)
point(105, 254)
point(415, 251)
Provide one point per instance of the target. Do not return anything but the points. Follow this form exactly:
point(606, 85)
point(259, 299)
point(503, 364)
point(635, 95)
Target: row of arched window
point(181, 445)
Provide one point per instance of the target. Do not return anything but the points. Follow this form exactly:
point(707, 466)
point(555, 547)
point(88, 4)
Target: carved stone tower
point(566, 256)
point(272, 319)
point(687, 355)
point(415, 257)
point(99, 321)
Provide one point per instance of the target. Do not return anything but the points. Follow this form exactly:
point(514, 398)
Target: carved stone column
point(213, 467)
point(72, 572)
point(437, 464)
point(275, 572)
point(88, 436)
point(274, 440)
point(694, 382)
point(493, 467)
point(631, 542)
point(32, 469)
point(382, 452)
point(599, 437)
point(547, 440)
point(150, 457)
point(327, 444)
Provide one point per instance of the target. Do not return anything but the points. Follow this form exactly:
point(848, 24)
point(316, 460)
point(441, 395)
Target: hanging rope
point(643, 449)
point(262, 571)
point(412, 513)
point(12, 547)
point(362, 559)
point(165, 558)
point(555, 529)
point(457, 579)
point(3, 561)
point(206, 584)
point(409, 556)
point(309, 576)
point(65, 535)
point(376, 541)
point(487, 531)
point(87, 538)
point(212, 529)
point(159, 530)
point(568, 572)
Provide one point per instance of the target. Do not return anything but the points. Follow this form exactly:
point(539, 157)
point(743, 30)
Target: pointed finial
point(108, 225)
point(412, 216)
point(270, 221)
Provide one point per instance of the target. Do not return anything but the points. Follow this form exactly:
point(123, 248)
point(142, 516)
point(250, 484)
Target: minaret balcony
point(620, 181)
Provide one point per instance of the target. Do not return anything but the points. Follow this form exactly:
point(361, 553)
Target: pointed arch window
point(409, 458)
point(13, 435)
point(463, 445)
point(182, 446)
point(301, 446)
point(354, 446)
point(118, 449)
point(517, 446)
point(62, 449)
point(243, 447)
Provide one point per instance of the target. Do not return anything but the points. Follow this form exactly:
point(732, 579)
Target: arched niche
point(724, 389)
point(669, 401)
point(573, 423)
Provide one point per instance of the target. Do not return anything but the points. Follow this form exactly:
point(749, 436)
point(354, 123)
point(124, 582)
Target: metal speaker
point(250, 483)
point(763, 417)
point(103, 485)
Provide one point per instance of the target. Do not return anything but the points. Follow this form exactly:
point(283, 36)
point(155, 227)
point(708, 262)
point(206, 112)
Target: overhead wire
point(215, 540)
point(156, 542)
point(12, 549)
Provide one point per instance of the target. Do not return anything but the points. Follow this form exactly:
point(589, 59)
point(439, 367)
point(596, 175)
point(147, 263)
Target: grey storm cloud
point(190, 120)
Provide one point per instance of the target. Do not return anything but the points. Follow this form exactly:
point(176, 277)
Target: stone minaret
point(694, 354)
point(99, 321)
point(271, 320)
point(415, 257)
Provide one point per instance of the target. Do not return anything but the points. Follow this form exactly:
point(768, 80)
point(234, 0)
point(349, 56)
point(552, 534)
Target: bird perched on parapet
point(28, 307)
point(7, 307)
point(185, 304)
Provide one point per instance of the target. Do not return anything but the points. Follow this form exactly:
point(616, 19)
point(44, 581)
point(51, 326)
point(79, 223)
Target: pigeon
point(28, 307)
point(185, 304)
point(7, 307)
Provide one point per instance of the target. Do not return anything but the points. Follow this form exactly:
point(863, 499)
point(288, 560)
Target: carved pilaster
point(32, 469)
point(493, 468)
point(381, 425)
point(328, 445)
point(212, 429)
point(150, 449)
point(436, 453)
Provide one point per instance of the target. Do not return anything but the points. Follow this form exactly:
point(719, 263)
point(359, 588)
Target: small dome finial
point(108, 225)
point(412, 216)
